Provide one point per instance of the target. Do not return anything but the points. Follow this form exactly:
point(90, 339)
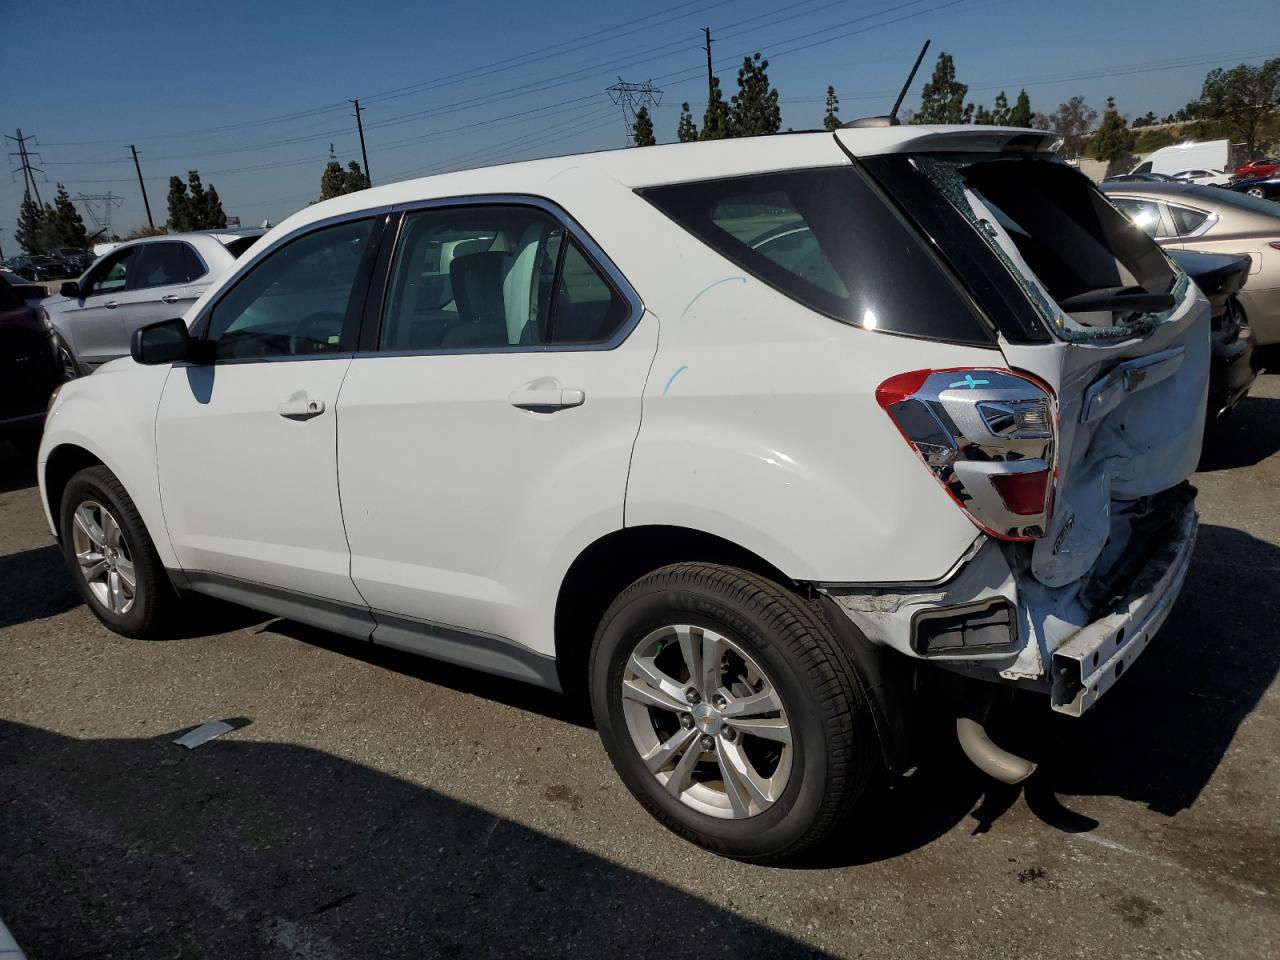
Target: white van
point(1209, 155)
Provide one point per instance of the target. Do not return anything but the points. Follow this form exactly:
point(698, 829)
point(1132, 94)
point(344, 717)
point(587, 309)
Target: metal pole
point(145, 202)
point(363, 154)
point(26, 167)
point(710, 85)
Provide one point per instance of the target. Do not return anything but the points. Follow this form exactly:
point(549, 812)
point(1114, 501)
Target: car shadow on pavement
point(140, 848)
point(512, 693)
point(36, 586)
point(1156, 739)
point(1246, 436)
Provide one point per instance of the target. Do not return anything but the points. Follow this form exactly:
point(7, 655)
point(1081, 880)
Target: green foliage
point(686, 132)
point(831, 120)
point(1000, 112)
point(715, 121)
point(1146, 120)
point(942, 100)
point(335, 181)
point(642, 131)
point(983, 116)
point(1020, 114)
point(1114, 141)
point(1145, 141)
point(1236, 103)
point(192, 206)
point(32, 234)
point(67, 227)
point(755, 109)
point(1072, 121)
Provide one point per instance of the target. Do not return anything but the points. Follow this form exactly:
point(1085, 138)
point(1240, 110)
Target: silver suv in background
point(136, 283)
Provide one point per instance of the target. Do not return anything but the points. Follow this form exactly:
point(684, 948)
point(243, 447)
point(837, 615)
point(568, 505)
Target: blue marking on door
point(673, 379)
point(969, 382)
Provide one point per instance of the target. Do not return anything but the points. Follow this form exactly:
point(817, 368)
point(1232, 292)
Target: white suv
point(754, 442)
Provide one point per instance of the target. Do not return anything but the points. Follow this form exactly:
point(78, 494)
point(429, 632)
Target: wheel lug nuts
point(686, 720)
point(729, 734)
point(692, 695)
point(708, 743)
point(720, 702)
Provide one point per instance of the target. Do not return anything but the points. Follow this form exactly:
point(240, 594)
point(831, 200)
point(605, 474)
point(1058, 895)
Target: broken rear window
point(1086, 270)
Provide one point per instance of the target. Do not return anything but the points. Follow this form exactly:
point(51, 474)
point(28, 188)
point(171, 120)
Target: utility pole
point(363, 154)
point(145, 202)
point(710, 83)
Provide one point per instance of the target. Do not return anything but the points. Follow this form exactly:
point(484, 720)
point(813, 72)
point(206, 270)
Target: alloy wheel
point(707, 722)
point(106, 562)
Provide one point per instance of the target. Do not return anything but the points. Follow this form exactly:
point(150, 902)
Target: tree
point(686, 132)
point(942, 100)
point(1020, 114)
point(180, 213)
point(68, 228)
point(755, 109)
point(1148, 119)
point(1072, 121)
point(213, 217)
point(1114, 140)
point(642, 131)
point(1000, 112)
point(832, 119)
point(1239, 101)
point(715, 122)
point(334, 181)
point(31, 234)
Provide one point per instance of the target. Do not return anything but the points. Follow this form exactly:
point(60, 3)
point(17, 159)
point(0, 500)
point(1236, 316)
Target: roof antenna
point(893, 114)
point(892, 119)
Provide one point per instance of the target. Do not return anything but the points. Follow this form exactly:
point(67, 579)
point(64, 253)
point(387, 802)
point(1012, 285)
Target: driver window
point(112, 274)
point(297, 301)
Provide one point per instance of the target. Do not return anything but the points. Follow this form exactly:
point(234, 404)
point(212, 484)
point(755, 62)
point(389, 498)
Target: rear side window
point(159, 265)
point(826, 239)
point(1144, 214)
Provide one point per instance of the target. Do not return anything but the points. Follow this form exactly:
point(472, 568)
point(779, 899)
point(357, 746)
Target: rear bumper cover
point(1062, 650)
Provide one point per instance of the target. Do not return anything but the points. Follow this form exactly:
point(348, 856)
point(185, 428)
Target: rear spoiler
point(871, 141)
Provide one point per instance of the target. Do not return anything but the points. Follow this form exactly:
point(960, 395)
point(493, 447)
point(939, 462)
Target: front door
point(96, 320)
point(485, 438)
point(247, 442)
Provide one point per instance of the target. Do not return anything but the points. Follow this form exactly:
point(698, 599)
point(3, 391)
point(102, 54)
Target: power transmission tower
point(145, 202)
point(363, 155)
point(631, 97)
point(98, 209)
point(23, 156)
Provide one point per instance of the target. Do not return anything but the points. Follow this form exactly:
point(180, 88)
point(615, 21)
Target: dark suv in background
point(29, 370)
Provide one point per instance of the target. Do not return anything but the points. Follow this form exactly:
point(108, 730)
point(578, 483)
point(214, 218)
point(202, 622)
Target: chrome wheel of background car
point(707, 722)
point(1256, 192)
point(105, 560)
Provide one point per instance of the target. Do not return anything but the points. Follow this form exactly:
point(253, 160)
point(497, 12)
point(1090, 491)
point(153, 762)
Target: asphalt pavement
point(370, 804)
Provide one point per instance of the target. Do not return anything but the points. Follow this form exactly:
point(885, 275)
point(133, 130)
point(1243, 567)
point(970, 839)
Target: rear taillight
point(988, 436)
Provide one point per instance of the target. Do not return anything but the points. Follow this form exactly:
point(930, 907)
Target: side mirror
point(165, 342)
point(70, 289)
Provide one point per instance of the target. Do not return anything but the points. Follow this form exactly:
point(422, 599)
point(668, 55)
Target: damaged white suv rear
point(748, 441)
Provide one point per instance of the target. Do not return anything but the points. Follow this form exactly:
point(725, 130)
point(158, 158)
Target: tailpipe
point(987, 757)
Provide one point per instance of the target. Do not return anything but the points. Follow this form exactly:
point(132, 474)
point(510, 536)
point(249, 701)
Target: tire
point(770, 648)
point(107, 505)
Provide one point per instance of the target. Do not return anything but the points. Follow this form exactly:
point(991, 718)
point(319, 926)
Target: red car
point(1266, 167)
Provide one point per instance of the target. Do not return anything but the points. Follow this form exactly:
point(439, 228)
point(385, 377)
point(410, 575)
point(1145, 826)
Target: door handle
point(111, 304)
point(169, 298)
point(299, 406)
point(546, 395)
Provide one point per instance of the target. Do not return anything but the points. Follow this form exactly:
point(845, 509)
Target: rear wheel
point(111, 557)
point(1256, 192)
point(730, 711)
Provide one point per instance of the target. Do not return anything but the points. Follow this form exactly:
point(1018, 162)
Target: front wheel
point(1256, 192)
point(111, 557)
point(730, 711)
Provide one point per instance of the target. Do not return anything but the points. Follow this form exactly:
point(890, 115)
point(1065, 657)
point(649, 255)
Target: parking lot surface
point(370, 804)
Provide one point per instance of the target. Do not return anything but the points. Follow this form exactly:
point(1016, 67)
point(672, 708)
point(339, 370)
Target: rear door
point(486, 427)
point(1127, 351)
point(162, 281)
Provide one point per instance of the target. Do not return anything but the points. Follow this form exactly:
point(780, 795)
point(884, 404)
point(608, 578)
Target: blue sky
point(252, 93)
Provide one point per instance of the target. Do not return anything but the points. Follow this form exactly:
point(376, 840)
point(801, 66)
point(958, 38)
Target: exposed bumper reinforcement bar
point(1087, 665)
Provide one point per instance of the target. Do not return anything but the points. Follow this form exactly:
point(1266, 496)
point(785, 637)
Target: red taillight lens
point(988, 436)
point(1025, 494)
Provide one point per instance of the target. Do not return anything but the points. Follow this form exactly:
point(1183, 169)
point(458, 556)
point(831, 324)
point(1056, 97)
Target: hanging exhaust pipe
point(987, 757)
